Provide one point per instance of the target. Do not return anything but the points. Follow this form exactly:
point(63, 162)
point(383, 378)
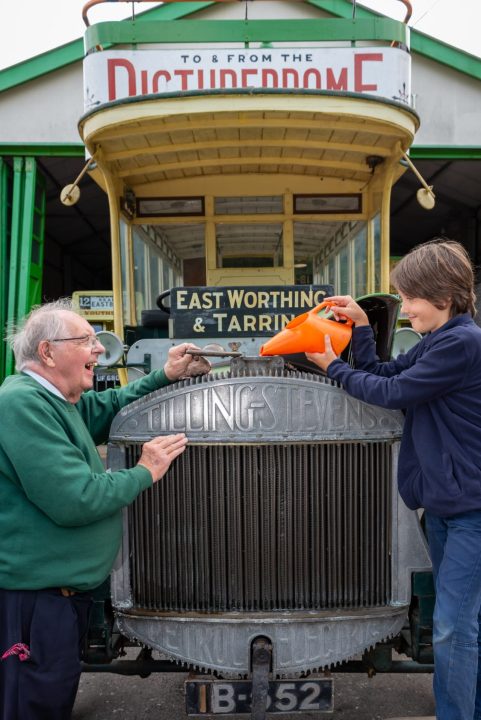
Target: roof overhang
point(319, 134)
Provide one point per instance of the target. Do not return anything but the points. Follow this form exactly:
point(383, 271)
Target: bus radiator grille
point(304, 526)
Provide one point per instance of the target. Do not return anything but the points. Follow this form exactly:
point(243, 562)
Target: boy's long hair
point(438, 271)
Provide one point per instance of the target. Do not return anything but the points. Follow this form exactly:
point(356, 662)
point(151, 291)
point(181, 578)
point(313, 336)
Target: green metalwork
point(188, 31)
point(42, 150)
point(26, 244)
point(420, 152)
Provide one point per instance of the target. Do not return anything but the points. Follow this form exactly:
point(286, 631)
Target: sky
point(38, 26)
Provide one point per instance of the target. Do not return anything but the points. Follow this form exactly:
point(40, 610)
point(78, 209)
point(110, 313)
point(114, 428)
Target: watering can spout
point(285, 342)
point(306, 332)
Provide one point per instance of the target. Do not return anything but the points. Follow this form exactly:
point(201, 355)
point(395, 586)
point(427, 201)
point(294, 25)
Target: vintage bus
point(248, 164)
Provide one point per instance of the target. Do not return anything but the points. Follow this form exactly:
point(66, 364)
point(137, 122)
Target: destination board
point(240, 311)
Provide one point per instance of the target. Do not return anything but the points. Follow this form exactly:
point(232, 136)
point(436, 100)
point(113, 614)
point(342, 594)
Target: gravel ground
point(104, 696)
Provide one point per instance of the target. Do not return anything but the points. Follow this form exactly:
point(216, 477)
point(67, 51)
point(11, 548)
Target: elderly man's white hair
point(44, 322)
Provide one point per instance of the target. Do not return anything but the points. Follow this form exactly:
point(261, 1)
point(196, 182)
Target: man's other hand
point(157, 454)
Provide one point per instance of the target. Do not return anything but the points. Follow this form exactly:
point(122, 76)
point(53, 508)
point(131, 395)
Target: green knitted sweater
point(60, 511)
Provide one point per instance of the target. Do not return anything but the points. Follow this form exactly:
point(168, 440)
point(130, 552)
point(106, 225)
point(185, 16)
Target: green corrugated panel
point(32, 239)
point(26, 245)
point(5, 206)
point(15, 235)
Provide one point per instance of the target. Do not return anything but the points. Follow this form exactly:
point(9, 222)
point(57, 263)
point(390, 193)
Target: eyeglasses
point(86, 340)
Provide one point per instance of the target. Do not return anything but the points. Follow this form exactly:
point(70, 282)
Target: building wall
point(448, 103)
point(45, 110)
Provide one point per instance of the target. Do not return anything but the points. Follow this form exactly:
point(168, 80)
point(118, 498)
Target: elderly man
point(60, 511)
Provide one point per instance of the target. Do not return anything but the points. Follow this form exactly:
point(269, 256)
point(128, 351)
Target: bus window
point(360, 262)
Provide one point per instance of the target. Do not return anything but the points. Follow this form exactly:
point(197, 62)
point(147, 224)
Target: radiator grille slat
point(264, 527)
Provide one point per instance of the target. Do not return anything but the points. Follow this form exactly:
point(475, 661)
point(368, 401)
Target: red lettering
point(358, 69)
point(266, 74)
point(157, 76)
point(224, 74)
point(200, 79)
point(245, 76)
point(112, 66)
point(286, 73)
point(332, 83)
point(317, 78)
point(184, 75)
point(143, 81)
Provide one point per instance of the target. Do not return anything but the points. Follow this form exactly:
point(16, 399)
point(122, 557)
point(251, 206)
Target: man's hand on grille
point(182, 364)
point(157, 454)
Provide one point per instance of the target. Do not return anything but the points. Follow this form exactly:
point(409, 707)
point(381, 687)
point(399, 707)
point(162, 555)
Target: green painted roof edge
point(422, 44)
point(43, 149)
point(445, 152)
point(73, 51)
point(41, 64)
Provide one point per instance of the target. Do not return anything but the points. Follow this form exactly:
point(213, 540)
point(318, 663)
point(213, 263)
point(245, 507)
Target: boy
point(438, 385)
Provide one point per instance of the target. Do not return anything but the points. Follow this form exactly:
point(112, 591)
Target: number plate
point(216, 697)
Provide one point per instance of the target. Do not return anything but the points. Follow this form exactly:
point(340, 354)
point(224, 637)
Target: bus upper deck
point(247, 152)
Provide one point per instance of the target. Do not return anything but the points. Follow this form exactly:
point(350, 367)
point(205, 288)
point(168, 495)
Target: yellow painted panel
point(247, 185)
point(250, 276)
point(150, 111)
point(223, 163)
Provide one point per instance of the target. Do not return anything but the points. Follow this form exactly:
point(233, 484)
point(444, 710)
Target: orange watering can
point(305, 333)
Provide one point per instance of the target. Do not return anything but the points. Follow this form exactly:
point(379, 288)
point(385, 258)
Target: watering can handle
point(329, 304)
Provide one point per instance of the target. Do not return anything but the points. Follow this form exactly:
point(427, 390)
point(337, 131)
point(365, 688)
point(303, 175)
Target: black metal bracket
point(146, 365)
point(261, 665)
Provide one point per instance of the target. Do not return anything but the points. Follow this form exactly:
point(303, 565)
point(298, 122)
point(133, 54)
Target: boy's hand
point(345, 306)
point(323, 360)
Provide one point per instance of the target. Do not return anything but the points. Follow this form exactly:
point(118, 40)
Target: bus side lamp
point(114, 352)
point(71, 193)
point(425, 196)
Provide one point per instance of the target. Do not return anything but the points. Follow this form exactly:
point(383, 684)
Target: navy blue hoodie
point(438, 384)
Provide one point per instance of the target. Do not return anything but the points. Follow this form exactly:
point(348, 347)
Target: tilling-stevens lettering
point(245, 407)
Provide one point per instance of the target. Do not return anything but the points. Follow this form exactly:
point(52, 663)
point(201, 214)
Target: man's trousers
point(40, 636)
